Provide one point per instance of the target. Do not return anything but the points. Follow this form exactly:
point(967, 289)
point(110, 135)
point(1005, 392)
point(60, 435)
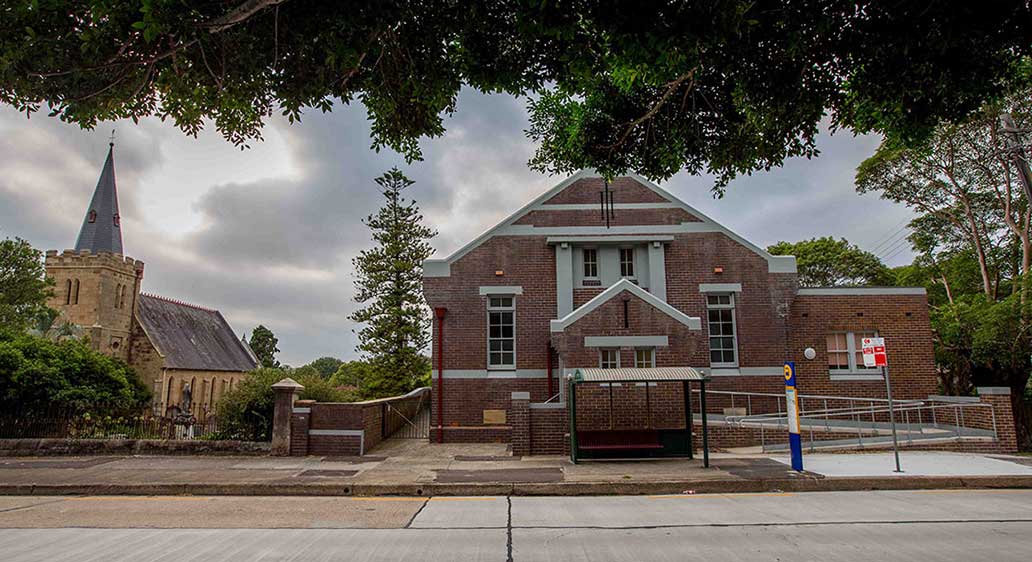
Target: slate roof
point(101, 230)
point(192, 337)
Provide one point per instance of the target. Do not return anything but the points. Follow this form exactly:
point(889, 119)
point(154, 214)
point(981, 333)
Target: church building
point(169, 343)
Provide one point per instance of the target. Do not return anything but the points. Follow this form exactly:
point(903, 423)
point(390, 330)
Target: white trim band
point(746, 371)
point(720, 287)
point(492, 374)
point(501, 290)
point(626, 341)
point(857, 291)
point(608, 239)
point(302, 410)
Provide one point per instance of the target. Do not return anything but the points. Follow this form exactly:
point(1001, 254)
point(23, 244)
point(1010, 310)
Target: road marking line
point(444, 499)
point(138, 499)
point(673, 496)
point(972, 491)
point(376, 499)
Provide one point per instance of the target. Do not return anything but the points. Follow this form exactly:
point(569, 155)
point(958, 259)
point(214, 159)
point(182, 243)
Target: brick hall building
point(626, 275)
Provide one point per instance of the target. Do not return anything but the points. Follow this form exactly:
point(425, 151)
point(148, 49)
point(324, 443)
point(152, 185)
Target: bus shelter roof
point(631, 374)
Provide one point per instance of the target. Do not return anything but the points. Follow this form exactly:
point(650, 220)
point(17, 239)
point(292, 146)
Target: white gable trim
point(441, 267)
point(693, 322)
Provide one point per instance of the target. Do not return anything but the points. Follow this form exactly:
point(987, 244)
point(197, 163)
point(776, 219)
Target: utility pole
point(1017, 152)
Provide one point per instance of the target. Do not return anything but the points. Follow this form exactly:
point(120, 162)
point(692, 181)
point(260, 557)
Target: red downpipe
point(440, 312)
point(548, 368)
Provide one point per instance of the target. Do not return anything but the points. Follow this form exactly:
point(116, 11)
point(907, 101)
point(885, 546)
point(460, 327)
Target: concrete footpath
point(414, 468)
point(954, 525)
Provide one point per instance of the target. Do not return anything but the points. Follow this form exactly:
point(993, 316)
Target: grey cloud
point(278, 251)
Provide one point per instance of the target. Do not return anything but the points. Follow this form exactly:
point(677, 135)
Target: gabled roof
point(101, 229)
point(192, 337)
point(442, 267)
point(693, 322)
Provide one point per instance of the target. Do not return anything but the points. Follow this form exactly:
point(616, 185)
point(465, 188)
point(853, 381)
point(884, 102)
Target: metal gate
point(406, 420)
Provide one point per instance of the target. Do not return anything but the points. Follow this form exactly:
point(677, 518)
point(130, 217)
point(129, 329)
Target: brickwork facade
point(689, 258)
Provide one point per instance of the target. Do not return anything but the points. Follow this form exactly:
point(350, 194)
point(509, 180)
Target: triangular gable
point(693, 322)
point(442, 267)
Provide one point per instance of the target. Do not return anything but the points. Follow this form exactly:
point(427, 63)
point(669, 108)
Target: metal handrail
point(902, 408)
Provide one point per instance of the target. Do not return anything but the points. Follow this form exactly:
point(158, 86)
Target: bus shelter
point(643, 442)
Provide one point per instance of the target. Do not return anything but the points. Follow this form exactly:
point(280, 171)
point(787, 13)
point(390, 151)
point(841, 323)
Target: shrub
point(37, 374)
point(245, 413)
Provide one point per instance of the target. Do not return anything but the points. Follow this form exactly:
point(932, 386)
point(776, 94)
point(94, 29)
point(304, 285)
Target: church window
point(118, 290)
point(92, 216)
point(68, 293)
point(75, 298)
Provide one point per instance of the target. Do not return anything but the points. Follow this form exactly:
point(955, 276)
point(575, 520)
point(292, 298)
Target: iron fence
point(99, 422)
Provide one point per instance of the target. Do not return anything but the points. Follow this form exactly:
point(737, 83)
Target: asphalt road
point(862, 526)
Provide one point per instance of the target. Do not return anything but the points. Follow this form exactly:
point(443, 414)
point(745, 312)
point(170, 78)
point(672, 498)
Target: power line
point(894, 231)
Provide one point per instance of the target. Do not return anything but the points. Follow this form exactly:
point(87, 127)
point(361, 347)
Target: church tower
point(96, 286)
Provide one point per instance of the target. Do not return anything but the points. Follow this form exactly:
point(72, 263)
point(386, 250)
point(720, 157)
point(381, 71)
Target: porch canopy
point(625, 441)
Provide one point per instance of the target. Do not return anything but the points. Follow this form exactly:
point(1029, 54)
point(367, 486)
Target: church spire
point(101, 229)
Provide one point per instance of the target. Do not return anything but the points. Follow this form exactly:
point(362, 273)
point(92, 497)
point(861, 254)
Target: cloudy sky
point(267, 235)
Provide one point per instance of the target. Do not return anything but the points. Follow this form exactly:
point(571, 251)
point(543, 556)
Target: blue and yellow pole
point(795, 443)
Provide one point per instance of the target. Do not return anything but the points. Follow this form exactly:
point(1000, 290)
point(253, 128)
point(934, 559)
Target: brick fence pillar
point(300, 421)
point(286, 392)
point(519, 424)
point(1000, 399)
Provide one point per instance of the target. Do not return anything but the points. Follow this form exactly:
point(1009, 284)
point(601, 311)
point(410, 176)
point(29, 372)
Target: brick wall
point(309, 429)
point(901, 319)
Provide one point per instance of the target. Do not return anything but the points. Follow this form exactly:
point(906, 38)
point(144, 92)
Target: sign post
point(874, 356)
point(795, 443)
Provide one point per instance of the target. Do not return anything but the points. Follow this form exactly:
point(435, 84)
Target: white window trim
point(652, 356)
point(853, 372)
point(603, 350)
point(734, 328)
point(584, 264)
point(620, 262)
point(487, 317)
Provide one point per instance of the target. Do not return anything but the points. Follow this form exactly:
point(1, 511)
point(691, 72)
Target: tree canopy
point(725, 86)
point(24, 286)
point(37, 374)
point(826, 262)
point(263, 344)
point(325, 366)
point(966, 189)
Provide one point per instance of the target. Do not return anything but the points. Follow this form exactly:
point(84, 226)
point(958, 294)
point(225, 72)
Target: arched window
point(168, 395)
point(118, 290)
point(121, 298)
point(68, 293)
point(76, 297)
point(195, 398)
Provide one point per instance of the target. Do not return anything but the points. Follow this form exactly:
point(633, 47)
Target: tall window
point(609, 358)
point(626, 262)
point(644, 358)
point(501, 336)
point(75, 297)
point(68, 293)
point(118, 293)
point(721, 316)
point(121, 297)
point(590, 263)
point(845, 353)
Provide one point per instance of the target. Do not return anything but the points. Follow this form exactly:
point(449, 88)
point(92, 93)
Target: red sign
point(874, 352)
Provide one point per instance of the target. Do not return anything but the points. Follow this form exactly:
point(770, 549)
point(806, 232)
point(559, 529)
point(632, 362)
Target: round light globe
point(809, 353)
